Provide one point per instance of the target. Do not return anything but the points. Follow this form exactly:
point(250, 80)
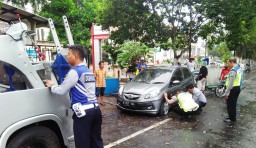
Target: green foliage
point(221, 51)
point(132, 50)
point(234, 22)
point(84, 12)
point(154, 23)
point(199, 58)
point(111, 50)
point(167, 61)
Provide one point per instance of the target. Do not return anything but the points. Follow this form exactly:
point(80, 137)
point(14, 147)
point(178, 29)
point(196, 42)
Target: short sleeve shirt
point(100, 75)
point(191, 66)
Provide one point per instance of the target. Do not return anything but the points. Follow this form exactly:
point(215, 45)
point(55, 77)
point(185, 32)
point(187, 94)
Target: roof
point(8, 14)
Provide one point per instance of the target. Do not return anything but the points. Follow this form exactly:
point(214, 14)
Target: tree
point(112, 50)
point(170, 24)
point(129, 51)
point(238, 20)
point(80, 29)
point(221, 50)
point(36, 4)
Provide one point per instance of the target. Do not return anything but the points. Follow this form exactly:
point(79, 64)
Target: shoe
point(228, 120)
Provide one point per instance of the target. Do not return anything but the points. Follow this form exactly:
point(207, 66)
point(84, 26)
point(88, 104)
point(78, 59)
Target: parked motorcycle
point(247, 69)
point(220, 89)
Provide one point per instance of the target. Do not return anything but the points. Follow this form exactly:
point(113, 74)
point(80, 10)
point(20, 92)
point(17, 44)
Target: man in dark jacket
point(203, 72)
point(132, 69)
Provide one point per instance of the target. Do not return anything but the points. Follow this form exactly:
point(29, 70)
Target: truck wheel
point(164, 108)
point(35, 137)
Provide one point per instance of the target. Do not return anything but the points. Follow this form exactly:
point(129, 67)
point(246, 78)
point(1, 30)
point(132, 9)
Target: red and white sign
point(96, 37)
point(101, 36)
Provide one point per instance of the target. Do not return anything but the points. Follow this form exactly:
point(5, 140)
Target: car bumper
point(150, 107)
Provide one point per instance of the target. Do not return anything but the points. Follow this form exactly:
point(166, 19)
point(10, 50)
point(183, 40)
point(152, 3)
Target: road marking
point(136, 134)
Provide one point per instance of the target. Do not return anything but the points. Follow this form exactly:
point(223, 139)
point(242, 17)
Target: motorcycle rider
point(247, 67)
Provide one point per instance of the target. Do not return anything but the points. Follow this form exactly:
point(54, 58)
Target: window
point(17, 82)
point(186, 73)
point(177, 75)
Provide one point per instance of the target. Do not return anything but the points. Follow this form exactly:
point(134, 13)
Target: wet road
point(205, 130)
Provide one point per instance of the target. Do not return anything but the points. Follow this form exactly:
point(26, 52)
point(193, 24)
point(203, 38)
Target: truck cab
point(31, 116)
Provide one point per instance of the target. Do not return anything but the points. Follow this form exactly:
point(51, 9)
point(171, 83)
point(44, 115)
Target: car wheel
point(35, 137)
point(164, 108)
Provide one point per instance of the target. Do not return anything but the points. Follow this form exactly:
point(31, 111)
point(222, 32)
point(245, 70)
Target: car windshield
point(153, 76)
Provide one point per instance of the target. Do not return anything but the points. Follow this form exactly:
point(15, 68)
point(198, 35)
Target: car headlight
point(152, 94)
point(121, 90)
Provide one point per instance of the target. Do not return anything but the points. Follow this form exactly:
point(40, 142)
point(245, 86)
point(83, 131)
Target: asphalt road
point(206, 130)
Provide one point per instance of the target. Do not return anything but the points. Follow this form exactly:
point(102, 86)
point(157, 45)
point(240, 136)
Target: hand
point(226, 97)
point(48, 83)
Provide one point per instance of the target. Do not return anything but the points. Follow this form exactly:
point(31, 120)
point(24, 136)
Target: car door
point(178, 75)
point(188, 77)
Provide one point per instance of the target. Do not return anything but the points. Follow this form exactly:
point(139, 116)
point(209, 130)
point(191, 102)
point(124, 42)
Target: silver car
point(144, 93)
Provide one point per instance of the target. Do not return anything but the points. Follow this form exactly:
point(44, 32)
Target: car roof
point(170, 67)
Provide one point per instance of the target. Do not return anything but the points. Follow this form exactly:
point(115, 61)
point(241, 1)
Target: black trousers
point(201, 104)
point(181, 112)
point(87, 129)
point(232, 101)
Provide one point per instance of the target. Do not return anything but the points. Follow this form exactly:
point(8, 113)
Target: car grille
point(136, 106)
point(131, 96)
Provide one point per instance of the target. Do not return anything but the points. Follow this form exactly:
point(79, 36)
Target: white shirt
point(198, 96)
point(191, 66)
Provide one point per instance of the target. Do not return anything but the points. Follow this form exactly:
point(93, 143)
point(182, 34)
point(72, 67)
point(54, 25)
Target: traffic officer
point(233, 83)
point(80, 83)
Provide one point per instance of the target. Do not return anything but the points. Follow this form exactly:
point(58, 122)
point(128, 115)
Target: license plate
point(126, 103)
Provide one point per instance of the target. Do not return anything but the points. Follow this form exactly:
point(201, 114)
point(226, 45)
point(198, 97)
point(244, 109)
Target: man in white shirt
point(191, 64)
point(198, 96)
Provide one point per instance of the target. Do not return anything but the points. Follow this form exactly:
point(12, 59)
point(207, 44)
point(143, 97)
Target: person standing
point(80, 83)
point(100, 75)
point(178, 63)
point(232, 92)
point(198, 97)
point(142, 65)
point(191, 64)
point(203, 73)
point(132, 69)
point(224, 72)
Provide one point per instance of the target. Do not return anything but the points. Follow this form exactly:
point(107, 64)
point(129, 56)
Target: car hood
point(142, 88)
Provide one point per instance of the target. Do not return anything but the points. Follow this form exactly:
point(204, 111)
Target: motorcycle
point(220, 89)
point(247, 69)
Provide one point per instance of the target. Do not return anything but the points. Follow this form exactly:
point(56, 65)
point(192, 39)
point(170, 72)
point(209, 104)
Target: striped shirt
point(100, 75)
